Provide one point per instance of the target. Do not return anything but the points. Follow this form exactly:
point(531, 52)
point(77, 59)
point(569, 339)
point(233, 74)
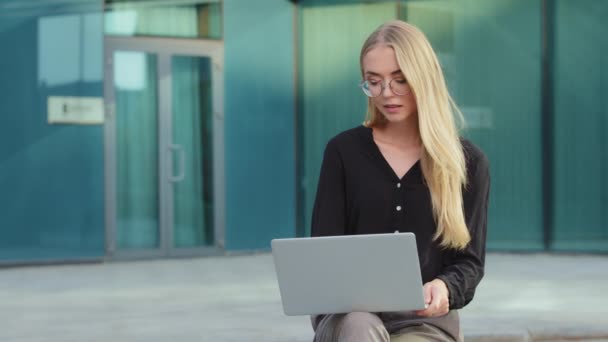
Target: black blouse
point(359, 193)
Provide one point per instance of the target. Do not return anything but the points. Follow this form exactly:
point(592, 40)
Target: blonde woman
point(407, 169)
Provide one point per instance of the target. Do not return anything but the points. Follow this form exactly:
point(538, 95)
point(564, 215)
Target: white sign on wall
point(75, 110)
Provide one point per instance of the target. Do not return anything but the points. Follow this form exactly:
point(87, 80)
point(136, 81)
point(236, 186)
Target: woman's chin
point(396, 117)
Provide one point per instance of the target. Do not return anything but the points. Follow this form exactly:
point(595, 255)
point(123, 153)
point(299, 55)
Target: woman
point(406, 169)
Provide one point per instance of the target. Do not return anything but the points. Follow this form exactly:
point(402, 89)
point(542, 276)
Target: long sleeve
point(464, 269)
point(329, 211)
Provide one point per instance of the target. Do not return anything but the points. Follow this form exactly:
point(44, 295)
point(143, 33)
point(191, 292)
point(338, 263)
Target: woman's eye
point(401, 80)
point(373, 82)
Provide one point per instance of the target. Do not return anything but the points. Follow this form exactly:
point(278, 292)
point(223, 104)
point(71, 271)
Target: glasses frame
point(383, 87)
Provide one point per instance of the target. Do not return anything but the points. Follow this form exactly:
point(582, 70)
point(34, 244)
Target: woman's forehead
point(380, 60)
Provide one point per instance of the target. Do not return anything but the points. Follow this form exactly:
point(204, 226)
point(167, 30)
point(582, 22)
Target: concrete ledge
point(499, 337)
point(529, 337)
point(523, 298)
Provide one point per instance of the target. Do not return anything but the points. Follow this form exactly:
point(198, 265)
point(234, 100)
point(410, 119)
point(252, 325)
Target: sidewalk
point(222, 299)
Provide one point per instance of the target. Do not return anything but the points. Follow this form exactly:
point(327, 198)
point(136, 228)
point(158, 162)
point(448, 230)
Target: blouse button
point(398, 185)
point(398, 208)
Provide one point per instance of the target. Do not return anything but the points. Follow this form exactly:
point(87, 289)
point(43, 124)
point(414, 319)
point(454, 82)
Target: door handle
point(182, 163)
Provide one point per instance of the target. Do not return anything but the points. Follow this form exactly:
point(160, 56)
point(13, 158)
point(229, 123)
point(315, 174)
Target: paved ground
point(222, 299)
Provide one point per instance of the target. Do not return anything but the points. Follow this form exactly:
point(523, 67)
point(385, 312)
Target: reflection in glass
point(490, 52)
point(131, 70)
point(137, 222)
point(580, 109)
point(192, 130)
point(69, 49)
point(188, 19)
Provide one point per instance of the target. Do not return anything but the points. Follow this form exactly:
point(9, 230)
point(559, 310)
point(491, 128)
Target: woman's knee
point(363, 325)
point(354, 320)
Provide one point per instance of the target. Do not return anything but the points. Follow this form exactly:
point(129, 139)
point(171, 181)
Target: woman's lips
point(392, 108)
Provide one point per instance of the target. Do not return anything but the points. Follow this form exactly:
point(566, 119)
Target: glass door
point(191, 181)
point(163, 140)
point(136, 151)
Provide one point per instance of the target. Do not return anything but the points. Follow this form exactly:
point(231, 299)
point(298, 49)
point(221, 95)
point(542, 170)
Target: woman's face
point(380, 67)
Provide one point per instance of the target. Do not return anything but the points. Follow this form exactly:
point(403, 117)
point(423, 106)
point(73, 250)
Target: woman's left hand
point(436, 296)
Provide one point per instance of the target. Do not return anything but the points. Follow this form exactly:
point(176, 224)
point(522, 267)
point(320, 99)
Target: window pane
point(192, 134)
point(490, 52)
point(137, 218)
point(51, 175)
point(581, 125)
point(331, 35)
point(185, 19)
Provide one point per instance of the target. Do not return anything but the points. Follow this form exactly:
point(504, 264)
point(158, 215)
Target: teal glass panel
point(137, 186)
point(581, 126)
point(490, 53)
point(51, 175)
point(183, 19)
point(192, 138)
point(259, 122)
point(331, 34)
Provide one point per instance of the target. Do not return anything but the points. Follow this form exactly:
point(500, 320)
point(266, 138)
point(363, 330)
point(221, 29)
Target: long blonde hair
point(442, 157)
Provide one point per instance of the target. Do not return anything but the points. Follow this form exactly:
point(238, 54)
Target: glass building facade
point(51, 175)
point(215, 114)
point(529, 77)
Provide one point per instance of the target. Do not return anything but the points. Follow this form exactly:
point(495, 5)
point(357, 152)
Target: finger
point(436, 305)
point(428, 296)
point(424, 313)
point(429, 311)
point(436, 295)
point(440, 297)
point(439, 306)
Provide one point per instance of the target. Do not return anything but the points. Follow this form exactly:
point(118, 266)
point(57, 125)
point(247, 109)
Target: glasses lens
point(399, 86)
point(371, 89)
point(366, 89)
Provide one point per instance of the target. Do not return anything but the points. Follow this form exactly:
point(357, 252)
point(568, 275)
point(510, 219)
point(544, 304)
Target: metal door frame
point(164, 48)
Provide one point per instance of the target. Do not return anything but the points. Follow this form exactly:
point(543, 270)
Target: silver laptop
point(339, 274)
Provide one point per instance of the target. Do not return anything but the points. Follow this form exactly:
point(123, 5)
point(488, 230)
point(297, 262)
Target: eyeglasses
point(374, 88)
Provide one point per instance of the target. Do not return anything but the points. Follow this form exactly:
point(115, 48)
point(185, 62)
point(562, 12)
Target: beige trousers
point(386, 327)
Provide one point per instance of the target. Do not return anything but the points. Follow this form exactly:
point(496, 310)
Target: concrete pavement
point(529, 297)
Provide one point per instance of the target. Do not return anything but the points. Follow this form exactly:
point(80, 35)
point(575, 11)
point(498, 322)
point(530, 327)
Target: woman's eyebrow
point(398, 71)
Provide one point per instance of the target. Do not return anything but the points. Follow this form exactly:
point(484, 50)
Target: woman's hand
point(436, 297)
